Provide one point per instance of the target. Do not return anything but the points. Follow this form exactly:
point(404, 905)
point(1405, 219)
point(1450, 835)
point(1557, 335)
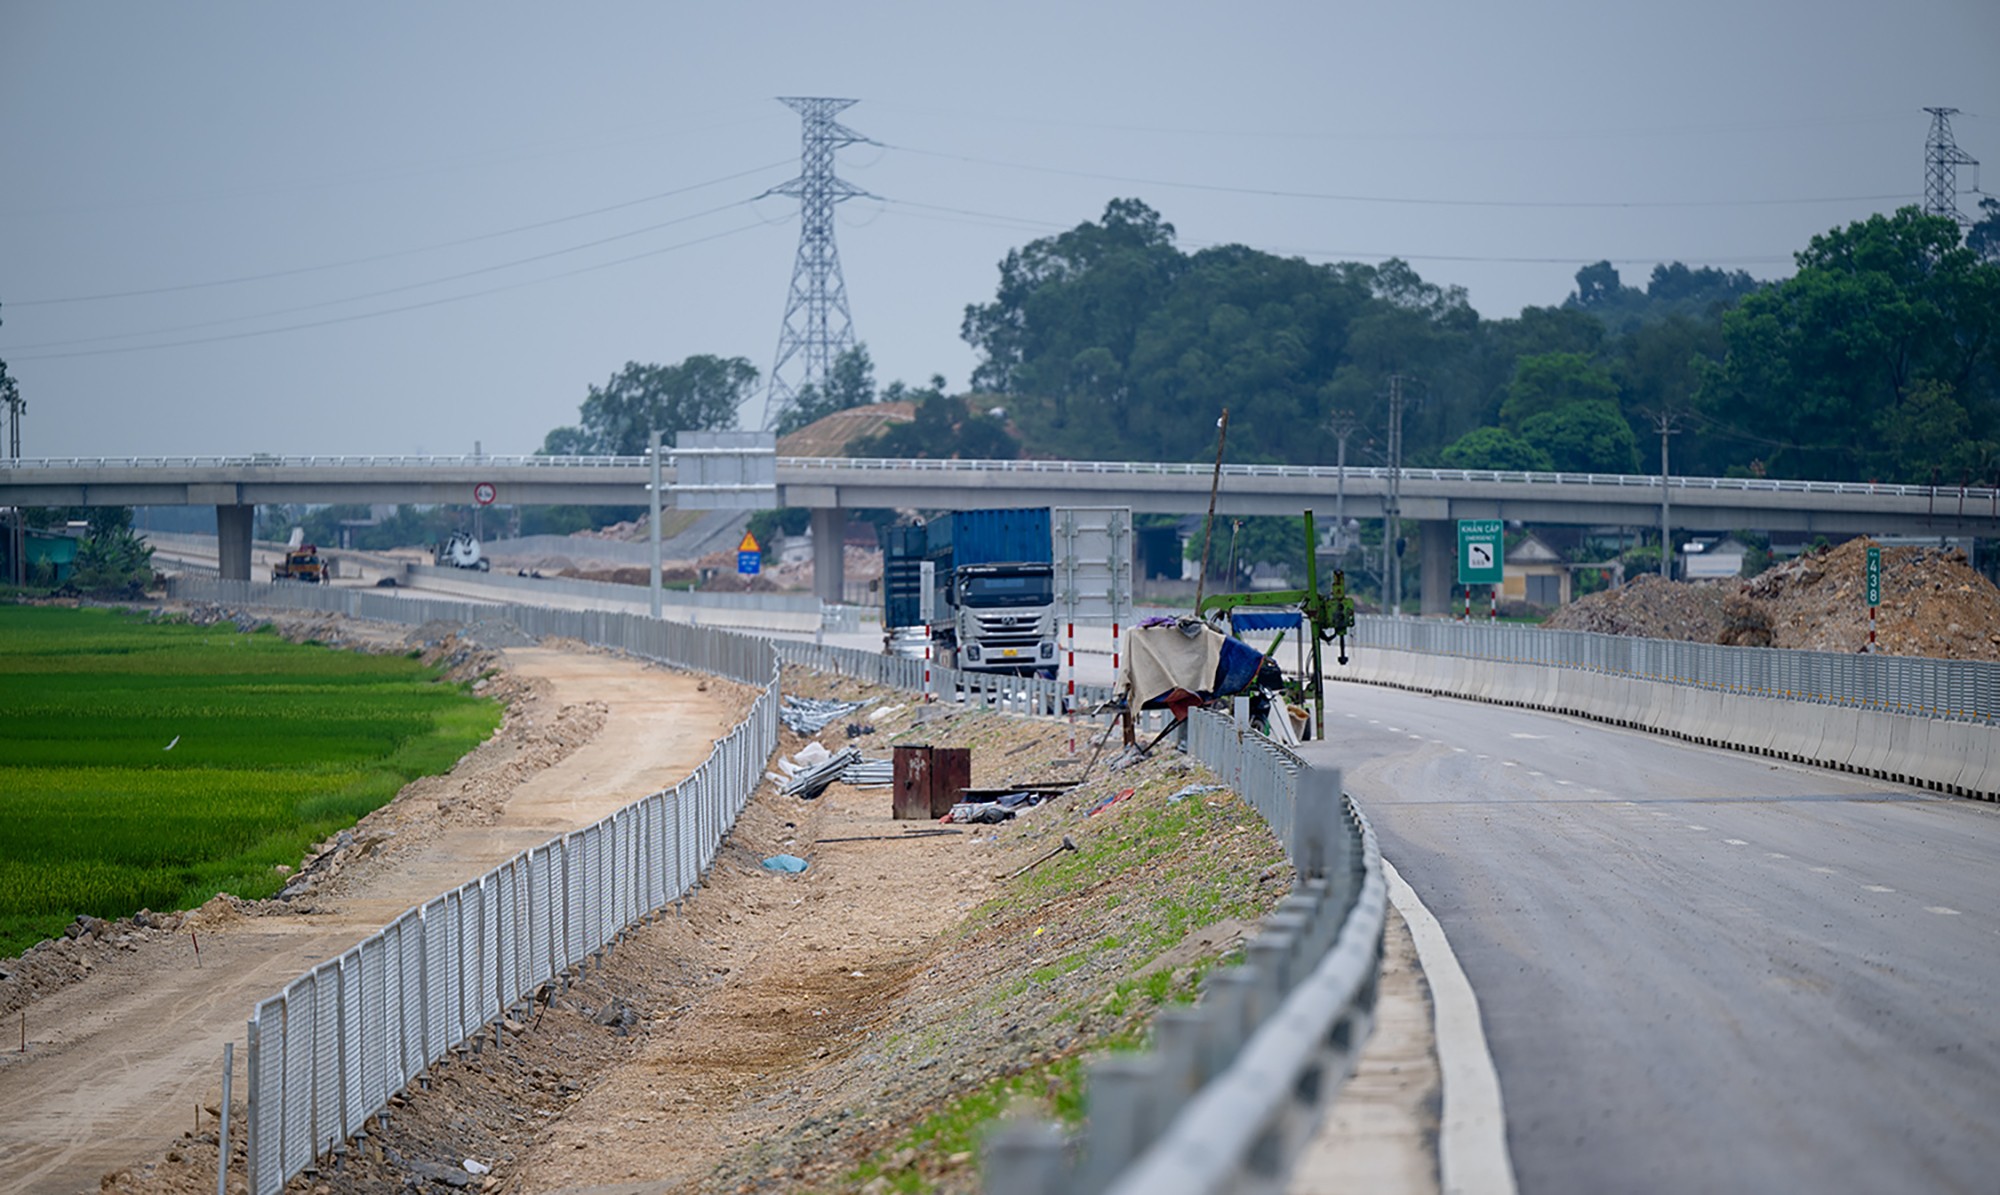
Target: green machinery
point(1330, 614)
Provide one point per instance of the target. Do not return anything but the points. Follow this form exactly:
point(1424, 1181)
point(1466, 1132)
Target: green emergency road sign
point(1479, 552)
point(1874, 576)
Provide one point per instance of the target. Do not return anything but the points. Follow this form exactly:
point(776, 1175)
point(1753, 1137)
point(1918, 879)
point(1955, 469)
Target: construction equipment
point(460, 550)
point(1330, 614)
point(301, 562)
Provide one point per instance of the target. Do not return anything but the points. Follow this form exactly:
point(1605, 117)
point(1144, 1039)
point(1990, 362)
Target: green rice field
point(152, 764)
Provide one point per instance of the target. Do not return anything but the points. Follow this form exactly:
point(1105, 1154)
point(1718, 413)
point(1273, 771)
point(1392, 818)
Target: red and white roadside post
point(927, 662)
point(1493, 604)
point(1467, 613)
point(1070, 699)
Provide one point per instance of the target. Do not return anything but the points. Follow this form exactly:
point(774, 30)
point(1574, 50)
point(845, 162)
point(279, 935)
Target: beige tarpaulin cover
point(1158, 659)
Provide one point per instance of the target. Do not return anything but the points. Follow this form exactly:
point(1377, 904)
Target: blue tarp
point(1237, 668)
point(1263, 620)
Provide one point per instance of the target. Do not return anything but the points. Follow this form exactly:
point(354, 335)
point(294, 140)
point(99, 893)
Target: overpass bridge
point(235, 486)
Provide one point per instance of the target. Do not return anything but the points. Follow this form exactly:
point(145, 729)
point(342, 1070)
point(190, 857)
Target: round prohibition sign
point(484, 493)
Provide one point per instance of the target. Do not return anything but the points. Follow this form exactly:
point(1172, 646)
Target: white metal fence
point(1952, 690)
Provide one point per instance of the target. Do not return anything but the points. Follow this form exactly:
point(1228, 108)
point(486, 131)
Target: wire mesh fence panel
point(436, 979)
point(406, 935)
point(325, 1082)
point(352, 1025)
point(574, 923)
point(297, 1089)
point(264, 1131)
point(376, 1036)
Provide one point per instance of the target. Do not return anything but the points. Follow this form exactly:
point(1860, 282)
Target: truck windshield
point(1019, 589)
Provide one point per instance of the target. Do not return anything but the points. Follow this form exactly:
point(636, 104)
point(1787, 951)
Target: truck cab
point(1003, 616)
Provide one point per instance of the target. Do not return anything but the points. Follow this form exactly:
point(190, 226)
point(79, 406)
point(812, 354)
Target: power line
point(1408, 201)
point(392, 290)
point(366, 315)
point(997, 220)
point(356, 261)
point(1480, 135)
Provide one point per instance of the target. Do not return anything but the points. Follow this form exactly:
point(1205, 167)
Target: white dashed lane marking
point(1777, 855)
point(1735, 842)
point(1941, 910)
point(1692, 826)
point(1826, 871)
point(1877, 888)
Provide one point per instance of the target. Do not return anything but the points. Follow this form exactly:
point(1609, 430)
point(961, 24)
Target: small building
point(1536, 574)
point(1713, 559)
point(51, 549)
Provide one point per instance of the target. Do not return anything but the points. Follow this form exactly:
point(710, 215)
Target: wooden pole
point(1208, 528)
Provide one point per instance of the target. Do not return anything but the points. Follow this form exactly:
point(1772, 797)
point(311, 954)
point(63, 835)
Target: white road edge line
point(1472, 1133)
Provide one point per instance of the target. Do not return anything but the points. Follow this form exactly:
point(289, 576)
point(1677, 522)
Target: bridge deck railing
point(1971, 495)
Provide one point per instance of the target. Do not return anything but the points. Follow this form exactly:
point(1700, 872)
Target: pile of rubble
point(1933, 604)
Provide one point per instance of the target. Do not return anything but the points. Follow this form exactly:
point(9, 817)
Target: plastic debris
point(1108, 802)
point(1195, 790)
point(786, 863)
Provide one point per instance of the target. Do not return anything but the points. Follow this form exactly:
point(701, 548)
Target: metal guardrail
point(1950, 690)
point(1988, 495)
point(1234, 1086)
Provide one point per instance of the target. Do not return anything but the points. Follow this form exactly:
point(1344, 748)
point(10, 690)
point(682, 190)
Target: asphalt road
point(1698, 970)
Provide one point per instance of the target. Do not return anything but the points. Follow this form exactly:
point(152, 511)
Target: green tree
point(1819, 365)
point(1584, 437)
point(112, 562)
point(850, 383)
point(702, 393)
point(1496, 448)
point(1982, 238)
point(1548, 382)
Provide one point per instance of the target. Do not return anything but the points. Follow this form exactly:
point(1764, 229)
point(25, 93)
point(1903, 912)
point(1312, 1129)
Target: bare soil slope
point(1933, 604)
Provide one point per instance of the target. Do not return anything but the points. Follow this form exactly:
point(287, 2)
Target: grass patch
point(274, 746)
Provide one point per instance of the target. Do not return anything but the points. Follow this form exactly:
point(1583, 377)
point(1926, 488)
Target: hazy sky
point(384, 228)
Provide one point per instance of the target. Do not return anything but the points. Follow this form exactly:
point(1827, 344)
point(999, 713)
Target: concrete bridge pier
point(1438, 548)
point(233, 525)
point(829, 529)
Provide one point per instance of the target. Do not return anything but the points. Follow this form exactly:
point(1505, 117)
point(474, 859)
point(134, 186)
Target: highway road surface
point(1699, 970)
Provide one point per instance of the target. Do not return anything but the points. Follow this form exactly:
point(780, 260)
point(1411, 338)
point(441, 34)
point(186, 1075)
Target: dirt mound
point(1933, 604)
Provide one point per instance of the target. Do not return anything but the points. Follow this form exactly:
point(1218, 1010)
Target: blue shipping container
point(1015, 536)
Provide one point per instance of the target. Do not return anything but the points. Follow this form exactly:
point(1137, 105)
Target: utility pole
point(653, 527)
point(1667, 423)
point(17, 532)
point(1942, 157)
point(1342, 424)
point(817, 327)
point(1392, 506)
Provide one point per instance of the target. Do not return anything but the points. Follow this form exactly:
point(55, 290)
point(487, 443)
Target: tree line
point(1877, 359)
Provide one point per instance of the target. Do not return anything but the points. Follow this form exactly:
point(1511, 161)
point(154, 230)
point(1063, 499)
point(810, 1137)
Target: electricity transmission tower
point(817, 325)
point(1942, 157)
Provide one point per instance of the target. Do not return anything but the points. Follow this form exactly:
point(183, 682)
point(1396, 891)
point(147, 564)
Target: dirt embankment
point(848, 1027)
point(1933, 604)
